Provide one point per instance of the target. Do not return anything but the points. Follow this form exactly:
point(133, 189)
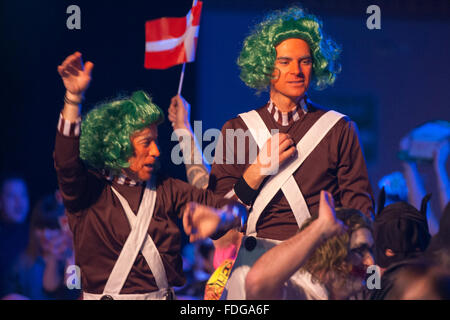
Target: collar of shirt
point(287, 118)
point(121, 179)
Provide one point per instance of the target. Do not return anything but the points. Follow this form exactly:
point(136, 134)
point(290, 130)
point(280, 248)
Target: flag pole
point(180, 84)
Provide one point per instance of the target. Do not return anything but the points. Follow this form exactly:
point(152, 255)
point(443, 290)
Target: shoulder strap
point(282, 180)
point(291, 189)
point(137, 239)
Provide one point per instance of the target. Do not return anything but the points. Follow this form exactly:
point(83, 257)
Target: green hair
point(258, 55)
point(106, 130)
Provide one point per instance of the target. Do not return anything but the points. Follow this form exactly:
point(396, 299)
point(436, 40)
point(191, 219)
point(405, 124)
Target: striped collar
point(287, 118)
point(121, 179)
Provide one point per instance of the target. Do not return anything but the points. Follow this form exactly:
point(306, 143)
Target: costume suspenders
point(284, 179)
point(290, 190)
point(138, 240)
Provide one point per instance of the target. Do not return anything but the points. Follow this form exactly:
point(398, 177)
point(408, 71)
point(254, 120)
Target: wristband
point(68, 101)
point(244, 192)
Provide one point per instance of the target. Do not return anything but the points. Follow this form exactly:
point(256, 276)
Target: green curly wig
point(258, 55)
point(106, 130)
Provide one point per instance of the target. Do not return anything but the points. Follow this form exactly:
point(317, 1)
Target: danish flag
point(172, 41)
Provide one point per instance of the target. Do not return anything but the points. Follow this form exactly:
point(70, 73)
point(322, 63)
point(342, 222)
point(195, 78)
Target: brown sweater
point(100, 226)
point(336, 165)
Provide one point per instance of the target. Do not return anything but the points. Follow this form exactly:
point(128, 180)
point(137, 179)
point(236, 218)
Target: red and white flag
point(172, 41)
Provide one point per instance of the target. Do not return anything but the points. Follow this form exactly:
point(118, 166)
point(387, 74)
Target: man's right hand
point(179, 113)
point(75, 75)
point(277, 149)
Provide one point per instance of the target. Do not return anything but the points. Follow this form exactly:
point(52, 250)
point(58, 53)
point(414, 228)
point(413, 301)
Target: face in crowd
point(359, 258)
point(146, 152)
point(14, 201)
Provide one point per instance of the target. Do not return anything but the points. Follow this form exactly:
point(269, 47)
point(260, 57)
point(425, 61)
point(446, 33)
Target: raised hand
point(440, 157)
point(441, 153)
point(76, 76)
point(53, 243)
point(327, 216)
point(179, 113)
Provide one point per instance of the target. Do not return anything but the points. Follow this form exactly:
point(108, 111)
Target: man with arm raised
point(122, 215)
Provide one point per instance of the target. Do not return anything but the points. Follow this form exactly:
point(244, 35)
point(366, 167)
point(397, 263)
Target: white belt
point(162, 294)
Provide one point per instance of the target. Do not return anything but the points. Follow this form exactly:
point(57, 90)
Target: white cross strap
point(291, 189)
point(138, 240)
point(284, 179)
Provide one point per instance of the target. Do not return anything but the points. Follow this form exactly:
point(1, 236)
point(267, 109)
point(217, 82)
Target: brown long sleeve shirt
point(100, 226)
point(336, 165)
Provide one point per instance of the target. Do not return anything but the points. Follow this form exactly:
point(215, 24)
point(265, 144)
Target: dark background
point(392, 79)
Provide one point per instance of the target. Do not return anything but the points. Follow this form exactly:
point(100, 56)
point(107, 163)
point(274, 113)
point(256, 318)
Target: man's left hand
point(200, 222)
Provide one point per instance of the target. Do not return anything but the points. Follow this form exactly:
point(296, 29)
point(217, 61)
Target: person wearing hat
point(401, 236)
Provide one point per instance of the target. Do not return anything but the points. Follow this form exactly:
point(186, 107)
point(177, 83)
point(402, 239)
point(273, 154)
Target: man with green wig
point(123, 217)
point(302, 148)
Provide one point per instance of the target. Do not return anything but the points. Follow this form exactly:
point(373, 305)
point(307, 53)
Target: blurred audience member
point(427, 144)
point(14, 207)
point(395, 188)
point(439, 249)
point(198, 267)
point(439, 162)
point(14, 201)
point(39, 273)
point(401, 235)
point(420, 280)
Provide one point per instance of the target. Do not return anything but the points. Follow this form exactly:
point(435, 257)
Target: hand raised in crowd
point(54, 244)
point(327, 216)
point(179, 113)
point(440, 157)
point(76, 76)
point(441, 153)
